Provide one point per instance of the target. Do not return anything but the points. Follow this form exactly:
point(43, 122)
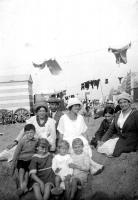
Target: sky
point(77, 33)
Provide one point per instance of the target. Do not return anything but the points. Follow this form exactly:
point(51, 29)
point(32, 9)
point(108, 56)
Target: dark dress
point(128, 135)
point(42, 166)
point(100, 132)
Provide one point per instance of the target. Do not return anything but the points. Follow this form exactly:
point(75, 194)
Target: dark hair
point(44, 142)
point(29, 127)
point(38, 108)
point(109, 110)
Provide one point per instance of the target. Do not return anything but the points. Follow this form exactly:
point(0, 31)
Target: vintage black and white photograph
point(68, 99)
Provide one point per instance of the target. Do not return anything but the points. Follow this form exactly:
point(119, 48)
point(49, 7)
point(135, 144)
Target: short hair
point(65, 143)
point(77, 141)
point(29, 127)
point(44, 142)
point(109, 110)
point(38, 108)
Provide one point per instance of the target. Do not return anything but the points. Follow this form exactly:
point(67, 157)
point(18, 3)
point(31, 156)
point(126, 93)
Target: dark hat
point(53, 100)
point(40, 104)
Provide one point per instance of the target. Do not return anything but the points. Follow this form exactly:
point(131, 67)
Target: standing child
point(42, 175)
point(60, 165)
point(22, 157)
point(80, 165)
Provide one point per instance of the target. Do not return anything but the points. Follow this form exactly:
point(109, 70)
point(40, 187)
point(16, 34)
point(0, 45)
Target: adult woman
point(124, 127)
point(108, 115)
point(72, 125)
point(45, 128)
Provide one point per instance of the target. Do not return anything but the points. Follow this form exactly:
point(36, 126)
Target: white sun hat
point(73, 101)
point(126, 96)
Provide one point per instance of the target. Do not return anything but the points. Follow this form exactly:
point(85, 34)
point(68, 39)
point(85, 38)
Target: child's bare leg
point(21, 177)
point(67, 189)
point(47, 191)
point(57, 181)
point(37, 191)
point(25, 183)
point(74, 184)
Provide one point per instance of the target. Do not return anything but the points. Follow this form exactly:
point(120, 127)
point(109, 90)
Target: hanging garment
point(40, 66)
point(106, 81)
point(120, 54)
point(53, 66)
point(87, 85)
point(82, 86)
point(96, 83)
point(91, 83)
point(120, 79)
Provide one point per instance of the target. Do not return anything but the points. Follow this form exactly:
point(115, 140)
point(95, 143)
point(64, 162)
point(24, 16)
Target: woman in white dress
point(45, 128)
point(72, 125)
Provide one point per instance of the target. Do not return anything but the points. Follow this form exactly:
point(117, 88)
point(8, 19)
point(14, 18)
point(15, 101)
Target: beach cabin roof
point(16, 78)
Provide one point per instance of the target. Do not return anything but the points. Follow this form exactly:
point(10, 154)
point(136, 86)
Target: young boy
point(81, 166)
point(22, 157)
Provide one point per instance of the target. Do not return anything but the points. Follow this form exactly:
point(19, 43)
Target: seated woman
point(124, 129)
point(45, 128)
point(108, 115)
point(72, 125)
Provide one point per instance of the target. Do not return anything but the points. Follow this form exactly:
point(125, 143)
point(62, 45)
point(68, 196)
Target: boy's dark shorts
point(23, 164)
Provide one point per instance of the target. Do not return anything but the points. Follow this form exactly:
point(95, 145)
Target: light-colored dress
point(72, 129)
point(47, 131)
point(62, 162)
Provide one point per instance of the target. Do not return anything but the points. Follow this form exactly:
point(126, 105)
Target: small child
point(60, 165)
point(41, 173)
point(22, 157)
point(81, 166)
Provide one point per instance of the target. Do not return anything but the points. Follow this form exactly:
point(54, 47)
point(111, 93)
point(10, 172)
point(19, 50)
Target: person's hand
point(57, 170)
point(99, 143)
point(72, 165)
point(10, 146)
point(42, 186)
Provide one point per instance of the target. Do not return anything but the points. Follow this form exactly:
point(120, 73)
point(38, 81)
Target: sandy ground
point(119, 180)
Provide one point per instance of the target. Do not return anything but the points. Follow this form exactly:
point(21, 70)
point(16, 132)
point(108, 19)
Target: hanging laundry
point(92, 84)
point(96, 83)
point(82, 86)
point(120, 54)
point(106, 81)
point(40, 66)
point(120, 79)
point(53, 66)
point(87, 85)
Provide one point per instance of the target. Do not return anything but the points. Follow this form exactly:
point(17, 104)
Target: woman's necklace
point(41, 123)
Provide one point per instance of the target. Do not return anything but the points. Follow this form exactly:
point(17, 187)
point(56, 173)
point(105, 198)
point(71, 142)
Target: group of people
point(118, 132)
point(52, 153)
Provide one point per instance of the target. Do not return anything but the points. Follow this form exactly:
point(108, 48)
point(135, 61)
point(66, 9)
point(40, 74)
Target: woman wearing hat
point(45, 128)
point(72, 125)
point(124, 128)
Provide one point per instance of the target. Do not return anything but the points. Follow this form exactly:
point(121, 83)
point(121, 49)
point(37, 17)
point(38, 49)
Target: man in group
point(55, 112)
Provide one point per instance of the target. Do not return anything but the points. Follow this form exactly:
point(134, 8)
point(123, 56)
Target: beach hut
point(16, 94)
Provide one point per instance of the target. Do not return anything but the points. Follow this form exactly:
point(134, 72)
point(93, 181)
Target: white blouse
point(121, 119)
